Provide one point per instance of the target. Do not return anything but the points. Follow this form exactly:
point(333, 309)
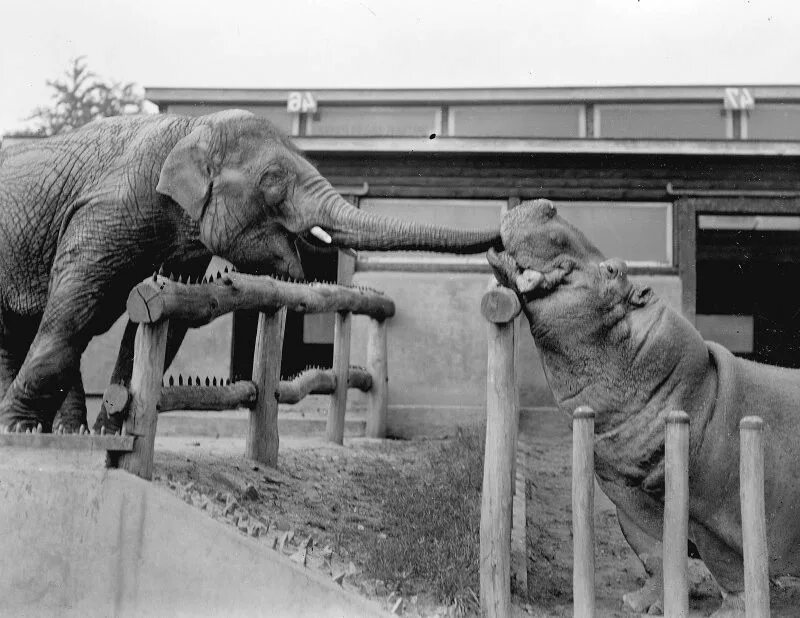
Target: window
point(516, 121)
point(639, 233)
point(276, 114)
point(661, 121)
point(375, 121)
point(778, 121)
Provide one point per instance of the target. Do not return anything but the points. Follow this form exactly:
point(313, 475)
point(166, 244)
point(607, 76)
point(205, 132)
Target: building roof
point(602, 94)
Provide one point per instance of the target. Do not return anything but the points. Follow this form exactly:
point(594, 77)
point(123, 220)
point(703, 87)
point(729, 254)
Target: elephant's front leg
point(42, 382)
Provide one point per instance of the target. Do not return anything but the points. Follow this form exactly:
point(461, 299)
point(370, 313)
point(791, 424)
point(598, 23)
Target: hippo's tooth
point(318, 232)
point(39, 428)
point(103, 430)
point(528, 280)
point(82, 430)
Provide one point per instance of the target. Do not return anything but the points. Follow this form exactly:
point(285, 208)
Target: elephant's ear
point(186, 172)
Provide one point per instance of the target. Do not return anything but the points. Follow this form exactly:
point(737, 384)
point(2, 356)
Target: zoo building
point(698, 188)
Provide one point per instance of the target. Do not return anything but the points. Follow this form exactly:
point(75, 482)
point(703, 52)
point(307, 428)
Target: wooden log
point(495, 530)
point(676, 515)
point(243, 393)
point(159, 298)
point(315, 381)
point(148, 368)
point(262, 433)
point(116, 399)
point(377, 366)
point(583, 511)
point(239, 394)
point(341, 357)
point(499, 304)
point(754, 527)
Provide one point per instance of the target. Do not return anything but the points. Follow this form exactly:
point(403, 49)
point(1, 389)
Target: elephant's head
point(254, 195)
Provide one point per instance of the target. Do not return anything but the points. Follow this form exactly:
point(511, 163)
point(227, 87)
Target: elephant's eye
point(274, 183)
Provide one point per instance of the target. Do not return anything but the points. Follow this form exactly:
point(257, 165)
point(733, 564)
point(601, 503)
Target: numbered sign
point(739, 98)
point(301, 102)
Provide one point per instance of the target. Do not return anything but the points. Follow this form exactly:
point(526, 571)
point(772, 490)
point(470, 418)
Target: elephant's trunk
point(350, 227)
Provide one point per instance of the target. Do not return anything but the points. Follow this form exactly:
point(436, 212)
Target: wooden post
point(149, 349)
point(341, 356)
point(583, 512)
point(676, 515)
point(754, 527)
point(262, 432)
point(495, 571)
point(377, 367)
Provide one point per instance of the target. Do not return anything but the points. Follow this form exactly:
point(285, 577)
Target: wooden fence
point(156, 300)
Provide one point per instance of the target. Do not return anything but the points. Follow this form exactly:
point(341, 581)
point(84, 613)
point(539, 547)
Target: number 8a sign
point(739, 98)
point(301, 102)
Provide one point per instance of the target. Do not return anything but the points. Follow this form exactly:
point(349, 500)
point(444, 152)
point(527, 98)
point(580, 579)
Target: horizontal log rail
point(199, 394)
point(318, 381)
point(161, 298)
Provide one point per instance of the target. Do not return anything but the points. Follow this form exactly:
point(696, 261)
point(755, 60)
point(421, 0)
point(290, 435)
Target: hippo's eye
point(611, 270)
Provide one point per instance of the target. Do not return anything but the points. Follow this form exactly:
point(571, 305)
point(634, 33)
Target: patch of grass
point(430, 516)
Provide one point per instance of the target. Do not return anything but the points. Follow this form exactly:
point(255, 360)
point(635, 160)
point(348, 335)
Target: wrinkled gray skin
point(616, 347)
point(86, 215)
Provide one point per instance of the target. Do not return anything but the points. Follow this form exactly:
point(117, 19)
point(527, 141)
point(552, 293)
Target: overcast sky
point(386, 43)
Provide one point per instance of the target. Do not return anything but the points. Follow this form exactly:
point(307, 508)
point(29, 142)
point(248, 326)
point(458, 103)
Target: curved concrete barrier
point(77, 539)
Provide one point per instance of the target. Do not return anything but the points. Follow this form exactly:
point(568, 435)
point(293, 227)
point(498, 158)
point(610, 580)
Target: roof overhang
point(467, 145)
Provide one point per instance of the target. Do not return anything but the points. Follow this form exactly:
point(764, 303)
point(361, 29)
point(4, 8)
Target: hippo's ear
point(640, 295)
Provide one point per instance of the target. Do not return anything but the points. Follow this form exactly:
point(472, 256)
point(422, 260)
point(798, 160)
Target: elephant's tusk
point(318, 232)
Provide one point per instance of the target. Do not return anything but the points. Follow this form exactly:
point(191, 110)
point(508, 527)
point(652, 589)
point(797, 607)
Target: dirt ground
point(313, 508)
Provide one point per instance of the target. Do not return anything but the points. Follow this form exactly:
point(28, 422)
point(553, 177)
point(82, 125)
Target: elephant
point(615, 346)
point(86, 215)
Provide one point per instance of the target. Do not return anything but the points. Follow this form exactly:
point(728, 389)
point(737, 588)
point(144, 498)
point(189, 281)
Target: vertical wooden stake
point(262, 433)
point(754, 528)
point(583, 512)
point(149, 349)
point(377, 367)
point(501, 418)
point(676, 516)
point(341, 356)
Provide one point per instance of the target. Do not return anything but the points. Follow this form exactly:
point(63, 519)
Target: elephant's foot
point(648, 599)
point(20, 424)
point(732, 606)
point(69, 422)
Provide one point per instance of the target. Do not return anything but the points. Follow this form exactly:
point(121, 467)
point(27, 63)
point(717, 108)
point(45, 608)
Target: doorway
point(747, 271)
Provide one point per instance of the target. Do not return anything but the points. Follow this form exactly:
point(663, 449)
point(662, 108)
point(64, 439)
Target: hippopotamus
point(615, 346)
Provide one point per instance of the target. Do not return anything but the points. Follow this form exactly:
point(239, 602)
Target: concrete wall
point(437, 350)
point(79, 540)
